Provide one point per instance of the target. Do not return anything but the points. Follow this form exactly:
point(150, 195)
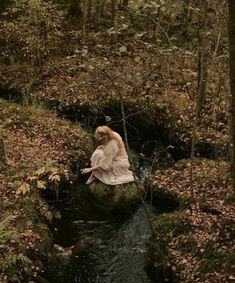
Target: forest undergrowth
point(150, 57)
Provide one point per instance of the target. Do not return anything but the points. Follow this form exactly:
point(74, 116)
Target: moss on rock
point(116, 197)
point(158, 251)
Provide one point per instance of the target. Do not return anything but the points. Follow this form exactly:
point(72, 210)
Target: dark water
point(110, 251)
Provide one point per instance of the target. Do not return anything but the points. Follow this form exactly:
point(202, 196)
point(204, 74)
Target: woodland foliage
point(167, 61)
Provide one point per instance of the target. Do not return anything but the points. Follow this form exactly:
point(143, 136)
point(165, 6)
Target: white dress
point(113, 164)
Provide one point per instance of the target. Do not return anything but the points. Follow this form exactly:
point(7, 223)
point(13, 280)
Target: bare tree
point(202, 55)
point(125, 3)
point(114, 8)
point(3, 156)
point(98, 11)
point(231, 32)
point(89, 10)
point(84, 19)
point(75, 8)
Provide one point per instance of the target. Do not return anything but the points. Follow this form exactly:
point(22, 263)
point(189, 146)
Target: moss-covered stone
point(159, 255)
point(82, 247)
point(116, 197)
point(162, 198)
point(165, 200)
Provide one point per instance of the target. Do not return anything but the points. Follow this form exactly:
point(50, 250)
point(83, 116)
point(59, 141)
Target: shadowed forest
point(157, 72)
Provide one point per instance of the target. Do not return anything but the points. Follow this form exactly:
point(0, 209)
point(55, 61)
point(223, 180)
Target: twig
point(122, 110)
point(156, 23)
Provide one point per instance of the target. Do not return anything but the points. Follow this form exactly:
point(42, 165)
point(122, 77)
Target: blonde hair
point(105, 130)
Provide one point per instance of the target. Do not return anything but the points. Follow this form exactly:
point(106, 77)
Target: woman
point(109, 162)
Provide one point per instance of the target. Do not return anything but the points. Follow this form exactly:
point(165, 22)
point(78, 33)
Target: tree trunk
point(155, 26)
point(231, 31)
point(202, 56)
point(125, 3)
point(89, 12)
point(98, 11)
point(187, 12)
point(84, 19)
point(114, 6)
point(4, 5)
point(102, 8)
point(3, 157)
point(148, 23)
point(75, 8)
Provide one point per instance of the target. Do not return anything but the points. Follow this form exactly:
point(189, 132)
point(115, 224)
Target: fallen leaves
point(206, 252)
point(40, 148)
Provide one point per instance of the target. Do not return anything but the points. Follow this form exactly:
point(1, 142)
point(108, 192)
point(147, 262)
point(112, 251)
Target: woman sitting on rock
point(109, 162)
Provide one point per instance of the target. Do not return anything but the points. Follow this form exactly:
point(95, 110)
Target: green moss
point(46, 241)
point(166, 227)
point(218, 260)
point(31, 218)
point(162, 198)
point(13, 257)
point(172, 224)
point(165, 200)
point(116, 197)
point(190, 246)
point(227, 230)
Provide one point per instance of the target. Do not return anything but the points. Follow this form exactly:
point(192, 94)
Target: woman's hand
point(85, 170)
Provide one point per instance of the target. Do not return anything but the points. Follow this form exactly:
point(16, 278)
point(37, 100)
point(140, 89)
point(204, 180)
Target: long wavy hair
point(110, 134)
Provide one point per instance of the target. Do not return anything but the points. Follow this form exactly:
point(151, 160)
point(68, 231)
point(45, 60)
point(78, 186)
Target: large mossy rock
point(116, 196)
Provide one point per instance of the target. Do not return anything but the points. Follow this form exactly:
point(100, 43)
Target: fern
point(23, 259)
point(5, 222)
point(6, 234)
point(10, 262)
point(12, 266)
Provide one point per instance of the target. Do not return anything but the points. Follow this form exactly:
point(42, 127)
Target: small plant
point(47, 177)
point(13, 263)
point(50, 178)
point(6, 234)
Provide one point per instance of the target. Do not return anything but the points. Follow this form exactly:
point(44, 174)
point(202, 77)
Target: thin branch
point(122, 109)
point(156, 23)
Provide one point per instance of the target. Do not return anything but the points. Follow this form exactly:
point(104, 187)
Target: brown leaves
point(35, 141)
point(44, 139)
point(205, 251)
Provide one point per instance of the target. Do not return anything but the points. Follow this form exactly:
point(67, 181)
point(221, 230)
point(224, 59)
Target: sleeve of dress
point(110, 152)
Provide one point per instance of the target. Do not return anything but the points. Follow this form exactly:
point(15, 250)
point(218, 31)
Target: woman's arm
point(110, 152)
point(88, 170)
point(105, 163)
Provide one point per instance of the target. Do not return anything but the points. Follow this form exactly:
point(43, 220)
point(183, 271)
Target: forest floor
point(39, 152)
point(199, 237)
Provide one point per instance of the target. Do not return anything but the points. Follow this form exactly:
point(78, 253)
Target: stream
point(109, 250)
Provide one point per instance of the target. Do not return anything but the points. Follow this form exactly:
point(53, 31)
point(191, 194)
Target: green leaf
point(40, 171)
point(41, 185)
point(23, 189)
point(49, 216)
point(123, 49)
point(137, 58)
point(57, 215)
point(108, 119)
point(54, 178)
